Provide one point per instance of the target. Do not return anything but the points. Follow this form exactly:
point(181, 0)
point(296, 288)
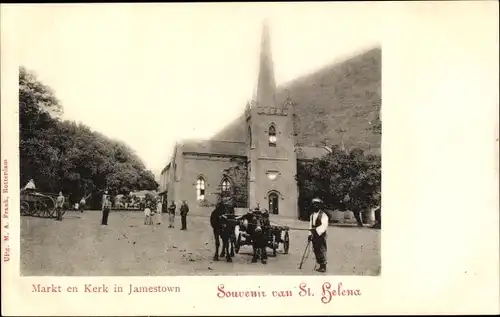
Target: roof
point(310, 152)
point(214, 147)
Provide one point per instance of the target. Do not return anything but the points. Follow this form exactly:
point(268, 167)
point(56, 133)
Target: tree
point(337, 174)
point(238, 174)
point(69, 157)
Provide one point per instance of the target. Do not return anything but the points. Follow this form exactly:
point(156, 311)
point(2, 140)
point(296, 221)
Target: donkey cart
point(277, 235)
point(38, 204)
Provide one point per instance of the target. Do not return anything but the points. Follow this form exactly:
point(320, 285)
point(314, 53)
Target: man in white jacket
point(318, 224)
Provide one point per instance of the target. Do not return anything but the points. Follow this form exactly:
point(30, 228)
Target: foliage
point(150, 196)
point(69, 157)
point(238, 175)
point(206, 203)
point(336, 175)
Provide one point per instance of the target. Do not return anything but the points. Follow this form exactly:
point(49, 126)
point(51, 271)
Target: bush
point(206, 203)
point(337, 176)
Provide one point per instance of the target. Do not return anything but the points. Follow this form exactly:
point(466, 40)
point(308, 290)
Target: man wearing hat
point(106, 206)
point(318, 224)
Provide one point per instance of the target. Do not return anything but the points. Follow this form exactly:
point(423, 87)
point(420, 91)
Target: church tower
point(270, 138)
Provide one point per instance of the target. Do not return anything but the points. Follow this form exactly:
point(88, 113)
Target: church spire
point(266, 85)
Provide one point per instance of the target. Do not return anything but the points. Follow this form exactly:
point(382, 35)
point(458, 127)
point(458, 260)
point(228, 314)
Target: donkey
point(257, 226)
point(223, 224)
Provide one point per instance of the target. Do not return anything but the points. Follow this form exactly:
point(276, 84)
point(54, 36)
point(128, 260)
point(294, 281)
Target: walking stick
point(304, 255)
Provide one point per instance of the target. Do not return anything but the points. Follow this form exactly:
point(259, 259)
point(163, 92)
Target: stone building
point(280, 126)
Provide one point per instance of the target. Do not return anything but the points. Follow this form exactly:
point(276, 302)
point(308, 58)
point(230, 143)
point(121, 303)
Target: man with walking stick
point(318, 224)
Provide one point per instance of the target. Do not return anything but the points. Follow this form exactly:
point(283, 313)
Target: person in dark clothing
point(106, 207)
point(318, 225)
point(378, 219)
point(356, 211)
point(184, 212)
point(171, 214)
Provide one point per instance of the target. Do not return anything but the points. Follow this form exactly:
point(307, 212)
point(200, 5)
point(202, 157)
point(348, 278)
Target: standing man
point(106, 206)
point(378, 218)
point(318, 224)
point(158, 218)
point(356, 211)
point(83, 202)
point(59, 206)
point(171, 214)
point(184, 212)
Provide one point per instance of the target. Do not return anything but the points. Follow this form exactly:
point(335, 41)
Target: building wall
point(164, 178)
point(280, 159)
point(284, 185)
point(210, 167)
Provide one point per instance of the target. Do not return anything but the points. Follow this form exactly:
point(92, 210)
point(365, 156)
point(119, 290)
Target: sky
point(152, 74)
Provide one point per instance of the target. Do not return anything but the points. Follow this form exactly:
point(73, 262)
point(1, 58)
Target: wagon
point(38, 204)
point(277, 235)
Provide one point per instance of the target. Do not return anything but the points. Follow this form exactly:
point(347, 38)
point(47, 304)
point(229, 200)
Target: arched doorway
point(273, 199)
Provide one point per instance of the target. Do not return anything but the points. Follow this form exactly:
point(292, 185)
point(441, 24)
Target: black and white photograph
point(228, 159)
point(199, 152)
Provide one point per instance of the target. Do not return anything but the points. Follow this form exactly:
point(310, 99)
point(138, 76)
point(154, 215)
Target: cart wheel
point(286, 243)
point(25, 208)
point(237, 244)
point(49, 206)
point(31, 209)
point(39, 208)
point(53, 213)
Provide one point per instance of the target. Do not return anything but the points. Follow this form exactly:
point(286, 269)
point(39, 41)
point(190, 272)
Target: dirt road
point(80, 246)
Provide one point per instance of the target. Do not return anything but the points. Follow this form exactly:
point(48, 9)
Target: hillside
point(342, 96)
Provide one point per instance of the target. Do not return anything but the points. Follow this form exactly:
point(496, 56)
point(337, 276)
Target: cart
point(38, 204)
point(277, 235)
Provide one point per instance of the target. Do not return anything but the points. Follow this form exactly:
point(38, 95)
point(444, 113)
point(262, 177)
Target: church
point(278, 128)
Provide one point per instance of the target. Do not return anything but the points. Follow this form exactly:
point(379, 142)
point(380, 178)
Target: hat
point(317, 200)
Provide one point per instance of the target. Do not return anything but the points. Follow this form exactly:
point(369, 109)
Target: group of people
point(152, 211)
point(171, 209)
point(318, 221)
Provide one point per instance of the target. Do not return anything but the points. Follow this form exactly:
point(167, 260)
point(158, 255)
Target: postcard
point(229, 159)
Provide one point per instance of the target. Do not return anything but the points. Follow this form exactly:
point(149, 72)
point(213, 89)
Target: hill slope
point(344, 96)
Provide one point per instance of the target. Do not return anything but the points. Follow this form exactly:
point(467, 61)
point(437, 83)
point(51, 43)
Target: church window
point(200, 188)
point(226, 186)
point(272, 135)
